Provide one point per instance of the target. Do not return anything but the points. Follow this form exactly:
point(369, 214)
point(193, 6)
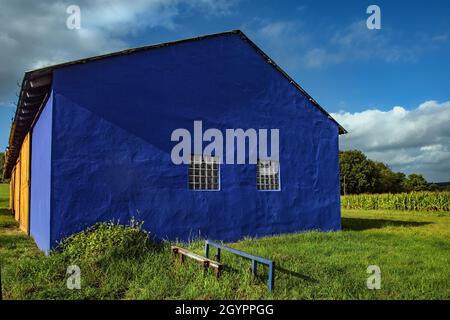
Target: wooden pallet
point(207, 263)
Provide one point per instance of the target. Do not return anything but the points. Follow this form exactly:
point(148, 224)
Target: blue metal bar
point(255, 260)
point(206, 250)
point(254, 267)
point(270, 282)
point(238, 252)
point(218, 255)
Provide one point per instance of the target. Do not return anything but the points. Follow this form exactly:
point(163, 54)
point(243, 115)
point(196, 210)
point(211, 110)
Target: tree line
point(362, 175)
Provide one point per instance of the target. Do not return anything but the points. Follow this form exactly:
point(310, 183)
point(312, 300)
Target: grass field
point(411, 248)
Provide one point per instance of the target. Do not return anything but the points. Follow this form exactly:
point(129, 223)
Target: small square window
point(204, 173)
point(268, 175)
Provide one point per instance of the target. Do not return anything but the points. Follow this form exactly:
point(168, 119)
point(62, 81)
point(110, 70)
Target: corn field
point(424, 201)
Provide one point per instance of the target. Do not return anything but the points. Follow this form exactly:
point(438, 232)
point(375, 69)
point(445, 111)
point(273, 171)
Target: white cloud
point(356, 42)
point(317, 57)
point(274, 30)
point(284, 39)
point(353, 42)
point(415, 140)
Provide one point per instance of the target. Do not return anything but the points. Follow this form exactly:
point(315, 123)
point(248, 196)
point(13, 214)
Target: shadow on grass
point(357, 224)
point(7, 220)
point(261, 277)
point(295, 274)
point(5, 212)
point(13, 240)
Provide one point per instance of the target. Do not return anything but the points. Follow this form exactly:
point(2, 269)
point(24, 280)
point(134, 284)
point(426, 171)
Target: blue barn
point(91, 141)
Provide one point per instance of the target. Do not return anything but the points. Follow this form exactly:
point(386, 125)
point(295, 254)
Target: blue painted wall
point(113, 119)
point(41, 145)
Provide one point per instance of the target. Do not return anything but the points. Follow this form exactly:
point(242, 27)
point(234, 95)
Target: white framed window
point(204, 173)
point(268, 175)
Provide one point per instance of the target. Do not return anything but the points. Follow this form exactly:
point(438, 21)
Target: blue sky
point(390, 87)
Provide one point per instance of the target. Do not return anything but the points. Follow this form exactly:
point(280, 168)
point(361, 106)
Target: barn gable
point(112, 118)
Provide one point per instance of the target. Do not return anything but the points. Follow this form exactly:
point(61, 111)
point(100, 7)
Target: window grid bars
point(267, 175)
point(204, 173)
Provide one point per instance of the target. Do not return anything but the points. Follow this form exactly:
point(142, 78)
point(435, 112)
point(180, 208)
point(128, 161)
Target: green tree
point(362, 175)
point(400, 182)
point(388, 181)
point(358, 174)
point(415, 182)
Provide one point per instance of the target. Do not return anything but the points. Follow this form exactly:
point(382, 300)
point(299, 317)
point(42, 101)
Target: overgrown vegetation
point(424, 201)
point(106, 240)
point(118, 262)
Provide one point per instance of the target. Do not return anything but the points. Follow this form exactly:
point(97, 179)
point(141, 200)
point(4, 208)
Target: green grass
point(411, 248)
point(5, 220)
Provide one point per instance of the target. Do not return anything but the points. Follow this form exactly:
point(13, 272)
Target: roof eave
point(32, 97)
